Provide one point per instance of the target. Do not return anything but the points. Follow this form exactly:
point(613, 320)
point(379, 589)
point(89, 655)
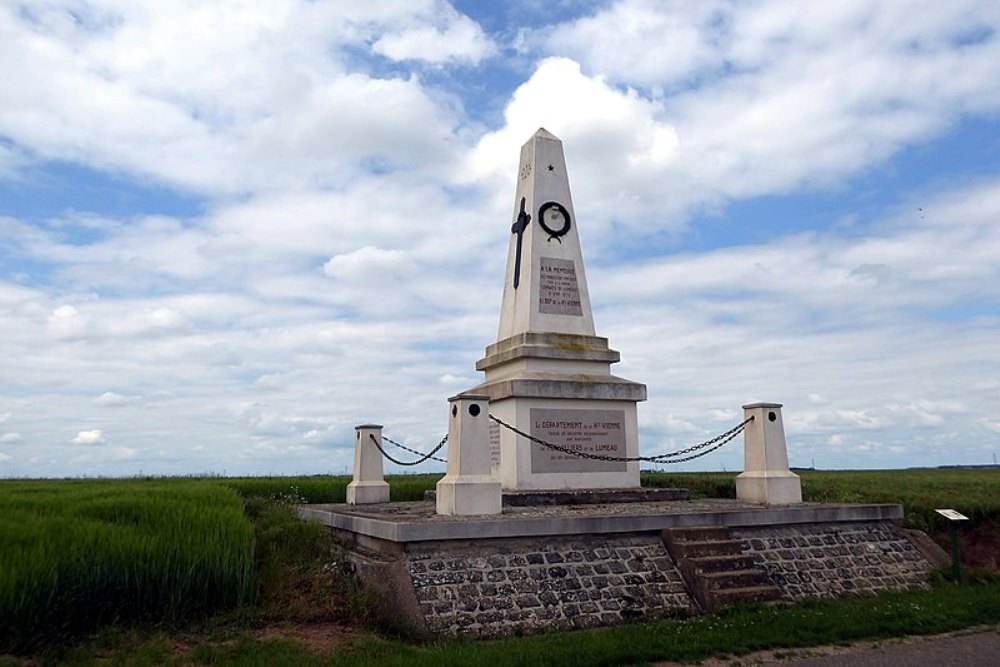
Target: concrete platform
point(408, 522)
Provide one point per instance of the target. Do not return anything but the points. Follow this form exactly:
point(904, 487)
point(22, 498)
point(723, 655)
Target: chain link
point(424, 457)
point(707, 446)
point(678, 456)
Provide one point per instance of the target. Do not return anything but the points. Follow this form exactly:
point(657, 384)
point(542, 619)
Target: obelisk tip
point(545, 134)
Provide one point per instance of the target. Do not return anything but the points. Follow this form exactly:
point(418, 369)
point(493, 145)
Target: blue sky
point(230, 231)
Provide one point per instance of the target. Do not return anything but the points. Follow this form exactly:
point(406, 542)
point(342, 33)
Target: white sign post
point(954, 518)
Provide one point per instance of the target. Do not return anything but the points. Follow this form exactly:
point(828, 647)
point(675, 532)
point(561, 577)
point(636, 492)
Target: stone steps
point(684, 548)
point(714, 568)
point(766, 593)
point(719, 563)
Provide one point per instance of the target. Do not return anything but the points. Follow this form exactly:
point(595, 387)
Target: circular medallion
point(554, 219)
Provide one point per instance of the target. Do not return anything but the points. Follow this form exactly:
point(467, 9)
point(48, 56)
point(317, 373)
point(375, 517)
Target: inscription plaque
point(589, 431)
point(494, 445)
point(558, 291)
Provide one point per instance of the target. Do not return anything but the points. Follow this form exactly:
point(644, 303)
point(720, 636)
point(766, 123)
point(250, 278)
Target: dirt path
point(973, 646)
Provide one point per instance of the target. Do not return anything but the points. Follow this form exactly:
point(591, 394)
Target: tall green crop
point(76, 555)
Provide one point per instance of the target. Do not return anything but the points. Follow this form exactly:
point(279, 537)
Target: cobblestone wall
point(828, 560)
point(521, 586)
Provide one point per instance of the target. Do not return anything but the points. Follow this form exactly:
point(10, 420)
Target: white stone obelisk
point(548, 374)
point(546, 291)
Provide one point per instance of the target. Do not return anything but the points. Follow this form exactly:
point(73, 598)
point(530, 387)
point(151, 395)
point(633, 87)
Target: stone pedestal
point(368, 485)
point(548, 374)
point(468, 487)
point(558, 388)
point(766, 477)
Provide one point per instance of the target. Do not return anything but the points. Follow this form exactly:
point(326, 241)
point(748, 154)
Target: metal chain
point(413, 451)
point(424, 457)
point(717, 441)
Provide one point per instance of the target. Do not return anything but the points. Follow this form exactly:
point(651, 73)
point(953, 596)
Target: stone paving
point(424, 511)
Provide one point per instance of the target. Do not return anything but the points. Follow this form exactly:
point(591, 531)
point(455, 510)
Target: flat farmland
point(155, 557)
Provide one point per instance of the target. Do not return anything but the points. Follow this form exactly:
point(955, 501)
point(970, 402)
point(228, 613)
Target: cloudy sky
point(230, 231)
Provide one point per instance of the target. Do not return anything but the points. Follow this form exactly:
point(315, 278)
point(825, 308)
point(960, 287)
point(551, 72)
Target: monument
point(522, 536)
point(548, 375)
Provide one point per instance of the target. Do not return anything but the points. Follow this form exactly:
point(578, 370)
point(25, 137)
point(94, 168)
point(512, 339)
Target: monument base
point(533, 569)
point(365, 493)
point(769, 488)
point(558, 388)
point(601, 428)
point(468, 495)
point(585, 496)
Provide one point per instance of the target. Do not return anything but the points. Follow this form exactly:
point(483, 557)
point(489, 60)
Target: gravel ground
point(977, 647)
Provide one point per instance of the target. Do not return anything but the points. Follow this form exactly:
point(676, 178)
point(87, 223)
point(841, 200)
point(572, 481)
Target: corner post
point(766, 477)
point(468, 487)
point(368, 485)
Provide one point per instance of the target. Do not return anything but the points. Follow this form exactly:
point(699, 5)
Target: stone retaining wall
point(829, 560)
point(494, 588)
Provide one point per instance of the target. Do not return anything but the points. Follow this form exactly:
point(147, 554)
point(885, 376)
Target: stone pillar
point(766, 477)
point(369, 485)
point(468, 487)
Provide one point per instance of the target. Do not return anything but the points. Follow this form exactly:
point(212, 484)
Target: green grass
point(737, 631)
point(734, 632)
point(974, 492)
point(77, 555)
point(80, 554)
point(326, 489)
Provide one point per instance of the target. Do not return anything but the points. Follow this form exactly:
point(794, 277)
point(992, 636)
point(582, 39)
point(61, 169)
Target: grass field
point(80, 555)
point(974, 492)
point(324, 489)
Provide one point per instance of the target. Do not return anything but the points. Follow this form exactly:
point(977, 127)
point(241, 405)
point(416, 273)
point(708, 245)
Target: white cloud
point(845, 358)
point(454, 37)
point(702, 103)
point(92, 437)
point(354, 192)
point(9, 438)
point(123, 86)
point(4, 457)
point(67, 322)
point(110, 399)
point(665, 43)
point(614, 136)
point(369, 265)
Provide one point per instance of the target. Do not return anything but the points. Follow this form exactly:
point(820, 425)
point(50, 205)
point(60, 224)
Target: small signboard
point(952, 515)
